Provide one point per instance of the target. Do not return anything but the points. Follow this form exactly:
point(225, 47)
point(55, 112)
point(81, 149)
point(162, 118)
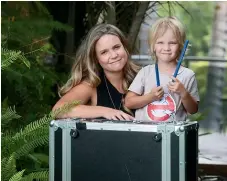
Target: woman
point(100, 76)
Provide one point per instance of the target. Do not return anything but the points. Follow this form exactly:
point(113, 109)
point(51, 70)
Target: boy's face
point(166, 47)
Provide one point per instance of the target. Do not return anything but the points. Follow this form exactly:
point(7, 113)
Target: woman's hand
point(177, 87)
point(114, 114)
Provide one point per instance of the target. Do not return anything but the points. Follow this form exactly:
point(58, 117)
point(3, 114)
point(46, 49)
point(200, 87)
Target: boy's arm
point(189, 96)
point(136, 101)
point(189, 103)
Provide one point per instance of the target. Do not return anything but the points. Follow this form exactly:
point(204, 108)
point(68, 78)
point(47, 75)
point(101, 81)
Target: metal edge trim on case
point(65, 123)
point(162, 129)
point(186, 126)
point(51, 153)
point(182, 156)
point(121, 127)
point(169, 130)
point(66, 155)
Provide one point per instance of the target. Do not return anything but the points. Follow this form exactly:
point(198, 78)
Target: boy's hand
point(177, 87)
point(157, 93)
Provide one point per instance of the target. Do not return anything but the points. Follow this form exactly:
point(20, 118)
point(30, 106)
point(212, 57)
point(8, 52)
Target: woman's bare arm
point(83, 93)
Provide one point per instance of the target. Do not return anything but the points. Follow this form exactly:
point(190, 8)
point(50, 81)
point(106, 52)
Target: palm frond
point(33, 135)
point(39, 158)
point(8, 167)
point(29, 146)
point(17, 176)
point(10, 56)
point(38, 176)
point(8, 115)
point(64, 109)
point(23, 144)
point(41, 123)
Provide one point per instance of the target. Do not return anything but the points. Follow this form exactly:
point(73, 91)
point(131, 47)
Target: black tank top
point(104, 97)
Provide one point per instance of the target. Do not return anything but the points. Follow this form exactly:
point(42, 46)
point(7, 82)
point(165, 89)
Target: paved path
point(213, 149)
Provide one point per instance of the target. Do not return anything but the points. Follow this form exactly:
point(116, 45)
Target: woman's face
point(111, 53)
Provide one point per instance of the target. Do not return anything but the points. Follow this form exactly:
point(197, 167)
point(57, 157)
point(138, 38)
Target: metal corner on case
point(52, 123)
point(180, 130)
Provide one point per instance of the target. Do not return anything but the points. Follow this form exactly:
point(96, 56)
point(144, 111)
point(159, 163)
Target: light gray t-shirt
point(145, 80)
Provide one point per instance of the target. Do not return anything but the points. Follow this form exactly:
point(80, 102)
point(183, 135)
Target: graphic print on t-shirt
point(161, 110)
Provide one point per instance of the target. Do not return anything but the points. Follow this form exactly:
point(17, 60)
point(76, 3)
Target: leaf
point(29, 146)
point(40, 157)
point(38, 176)
point(10, 56)
point(8, 115)
point(17, 176)
point(65, 108)
point(8, 166)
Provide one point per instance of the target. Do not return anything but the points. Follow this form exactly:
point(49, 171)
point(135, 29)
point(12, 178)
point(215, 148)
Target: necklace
point(111, 96)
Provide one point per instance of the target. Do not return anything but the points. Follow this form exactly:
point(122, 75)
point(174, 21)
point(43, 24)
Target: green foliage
point(17, 176)
point(22, 143)
point(9, 56)
point(39, 176)
point(26, 30)
point(8, 167)
point(9, 114)
point(200, 69)
point(25, 22)
point(39, 158)
point(198, 116)
point(27, 84)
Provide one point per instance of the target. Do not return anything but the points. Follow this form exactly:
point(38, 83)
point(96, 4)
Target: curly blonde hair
point(161, 26)
point(86, 66)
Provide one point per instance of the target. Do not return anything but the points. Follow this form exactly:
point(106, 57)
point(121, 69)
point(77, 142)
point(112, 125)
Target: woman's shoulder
point(86, 83)
point(84, 87)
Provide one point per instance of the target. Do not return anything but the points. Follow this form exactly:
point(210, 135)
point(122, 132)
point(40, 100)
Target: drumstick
point(181, 58)
point(157, 75)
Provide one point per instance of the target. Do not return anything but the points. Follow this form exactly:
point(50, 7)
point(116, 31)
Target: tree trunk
point(142, 39)
point(137, 23)
point(70, 36)
point(216, 71)
point(60, 11)
point(111, 13)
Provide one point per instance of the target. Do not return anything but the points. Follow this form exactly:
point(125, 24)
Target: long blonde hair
point(161, 26)
point(86, 66)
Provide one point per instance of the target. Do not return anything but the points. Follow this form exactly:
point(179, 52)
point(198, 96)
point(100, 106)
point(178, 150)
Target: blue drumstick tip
point(181, 57)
